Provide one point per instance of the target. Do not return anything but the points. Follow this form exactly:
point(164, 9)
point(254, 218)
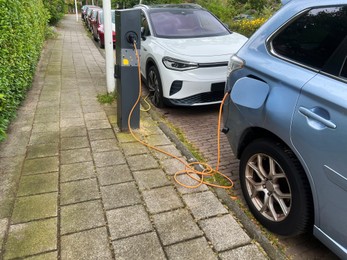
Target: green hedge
point(22, 32)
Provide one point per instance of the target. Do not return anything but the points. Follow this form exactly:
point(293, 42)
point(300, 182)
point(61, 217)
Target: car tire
point(155, 87)
point(275, 188)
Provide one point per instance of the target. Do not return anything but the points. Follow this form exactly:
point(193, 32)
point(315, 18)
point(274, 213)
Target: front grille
point(199, 98)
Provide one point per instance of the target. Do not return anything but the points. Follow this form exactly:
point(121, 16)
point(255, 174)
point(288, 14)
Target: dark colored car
point(97, 27)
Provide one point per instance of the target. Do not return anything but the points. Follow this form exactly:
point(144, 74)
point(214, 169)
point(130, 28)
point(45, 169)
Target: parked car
point(286, 120)
point(97, 25)
point(184, 54)
point(89, 15)
point(84, 10)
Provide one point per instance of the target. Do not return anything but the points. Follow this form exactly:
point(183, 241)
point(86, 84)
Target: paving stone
point(10, 172)
point(130, 149)
point(74, 142)
point(125, 137)
point(16, 145)
point(128, 221)
point(98, 124)
point(78, 191)
point(72, 122)
point(44, 256)
point(44, 138)
point(142, 162)
point(40, 183)
point(224, 232)
point(44, 127)
point(95, 116)
point(120, 195)
point(108, 158)
point(81, 216)
point(149, 179)
point(192, 249)
point(145, 246)
point(162, 199)
point(245, 252)
point(41, 165)
point(76, 155)
point(186, 180)
point(3, 229)
point(204, 205)
point(176, 226)
point(31, 238)
point(73, 131)
point(171, 149)
point(114, 174)
point(171, 166)
point(157, 140)
point(91, 244)
point(77, 171)
point(35, 207)
point(42, 150)
point(104, 145)
point(93, 109)
point(49, 116)
point(101, 134)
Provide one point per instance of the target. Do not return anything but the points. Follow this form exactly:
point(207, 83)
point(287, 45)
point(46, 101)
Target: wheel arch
point(150, 62)
point(254, 133)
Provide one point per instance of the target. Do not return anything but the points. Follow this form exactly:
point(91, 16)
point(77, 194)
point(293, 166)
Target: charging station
point(128, 30)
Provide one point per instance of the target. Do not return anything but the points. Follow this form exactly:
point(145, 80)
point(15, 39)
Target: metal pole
point(108, 46)
point(76, 11)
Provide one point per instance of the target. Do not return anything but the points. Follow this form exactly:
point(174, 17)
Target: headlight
point(181, 65)
point(235, 63)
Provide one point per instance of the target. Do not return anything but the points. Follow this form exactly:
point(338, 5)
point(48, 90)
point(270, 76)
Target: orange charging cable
point(189, 167)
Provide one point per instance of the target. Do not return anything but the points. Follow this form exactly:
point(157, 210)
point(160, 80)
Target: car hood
point(204, 46)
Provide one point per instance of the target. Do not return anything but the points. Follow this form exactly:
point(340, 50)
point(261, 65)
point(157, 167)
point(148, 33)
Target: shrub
point(22, 31)
point(247, 27)
point(56, 9)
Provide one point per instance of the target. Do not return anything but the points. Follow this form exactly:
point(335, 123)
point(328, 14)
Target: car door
point(319, 134)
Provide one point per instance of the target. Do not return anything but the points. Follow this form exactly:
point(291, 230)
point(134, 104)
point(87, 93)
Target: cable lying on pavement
point(190, 168)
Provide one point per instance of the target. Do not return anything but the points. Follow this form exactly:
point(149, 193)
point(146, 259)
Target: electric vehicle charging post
point(128, 31)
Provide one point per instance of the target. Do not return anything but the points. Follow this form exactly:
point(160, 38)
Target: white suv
point(184, 54)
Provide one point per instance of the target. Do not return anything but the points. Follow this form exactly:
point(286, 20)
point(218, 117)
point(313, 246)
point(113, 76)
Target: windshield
point(183, 23)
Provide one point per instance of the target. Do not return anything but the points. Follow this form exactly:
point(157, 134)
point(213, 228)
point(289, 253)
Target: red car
point(89, 15)
point(97, 27)
point(84, 10)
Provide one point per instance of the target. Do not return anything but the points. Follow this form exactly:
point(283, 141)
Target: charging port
point(131, 37)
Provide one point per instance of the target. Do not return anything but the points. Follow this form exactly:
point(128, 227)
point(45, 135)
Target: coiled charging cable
point(190, 168)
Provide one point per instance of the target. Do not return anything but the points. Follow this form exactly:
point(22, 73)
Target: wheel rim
point(268, 187)
point(153, 87)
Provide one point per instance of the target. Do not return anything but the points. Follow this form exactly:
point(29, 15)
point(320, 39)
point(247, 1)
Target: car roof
point(168, 6)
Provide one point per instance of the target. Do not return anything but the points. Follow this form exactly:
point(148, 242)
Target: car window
point(313, 37)
point(183, 23)
point(144, 26)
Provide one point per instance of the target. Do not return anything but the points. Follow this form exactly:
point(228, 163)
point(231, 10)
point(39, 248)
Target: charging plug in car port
point(131, 37)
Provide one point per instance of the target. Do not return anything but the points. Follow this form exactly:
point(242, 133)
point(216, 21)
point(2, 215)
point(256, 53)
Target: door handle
point(313, 115)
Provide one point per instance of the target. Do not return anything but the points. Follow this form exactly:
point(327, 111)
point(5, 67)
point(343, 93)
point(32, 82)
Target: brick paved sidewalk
point(73, 187)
